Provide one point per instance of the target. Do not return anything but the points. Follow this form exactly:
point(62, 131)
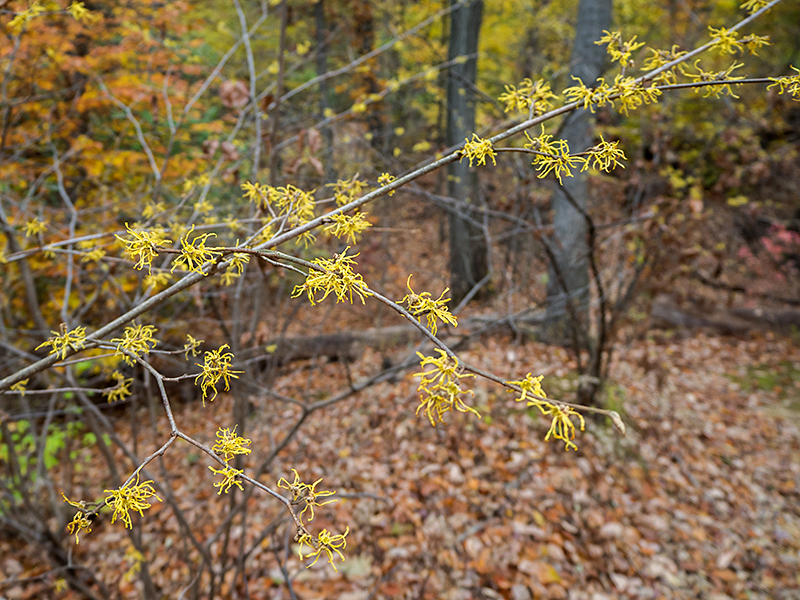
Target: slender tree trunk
point(364, 32)
point(468, 264)
point(324, 88)
point(569, 278)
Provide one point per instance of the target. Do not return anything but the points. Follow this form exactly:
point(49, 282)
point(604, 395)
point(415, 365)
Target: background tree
point(568, 287)
point(469, 263)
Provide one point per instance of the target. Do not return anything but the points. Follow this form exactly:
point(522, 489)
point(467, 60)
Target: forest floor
point(701, 499)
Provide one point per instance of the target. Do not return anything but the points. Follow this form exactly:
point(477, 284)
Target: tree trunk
point(569, 277)
point(324, 88)
point(468, 264)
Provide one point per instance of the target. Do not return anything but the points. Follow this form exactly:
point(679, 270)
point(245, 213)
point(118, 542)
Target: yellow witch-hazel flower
point(304, 493)
point(80, 13)
point(194, 254)
point(659, 58)
point(440, 387)
point(561, 427)
point(531, 388)
point(298, 205)
point(34, 227)
point(20, 386)
point(478, 149)
point(345, 191)
point(604, 156)
point(81, 522)
point(136, 340)
point(121, 390)
point(94, 255)
point(535, 96)
point(229, 444)
point(632, 93)
point(618, 50)
point(334, 276)
point(66, 340)
point(424, 304)
point(386, 179)
point(754, 5)
point(191, 346)
point(325, 543)
point(588, 97)
point(349, 226)
point(552, 156)
point(21, 19)
point(130, 497)
point(144, 246)
point(255, 192)
point(156, 280)
point(216, 367)
point(728, 42)
point(790, 83)
point(726, 77)
point(236, 263)
point(230, 477)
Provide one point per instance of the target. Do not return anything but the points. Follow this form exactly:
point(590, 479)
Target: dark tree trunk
point(468, 264)
point(569, 277)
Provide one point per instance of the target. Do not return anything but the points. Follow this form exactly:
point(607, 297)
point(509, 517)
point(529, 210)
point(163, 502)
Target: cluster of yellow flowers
point(561, 427)
point(144, 245)
point(534, 97)
point(618, 50)
point(131, 496)
point(705, 76)
point(345, 191)
point(216, 367)
point(478, 149)
point(334, 275)
point(441, 387)
point(552, 156)
point(790, 83)
point(291, 202)
point(136, 340)
point(65, 340)
point(228, 446)
point(728, 42)
point(121, 390)
point(424, 304)
point(306, 494)
point(349, 226)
